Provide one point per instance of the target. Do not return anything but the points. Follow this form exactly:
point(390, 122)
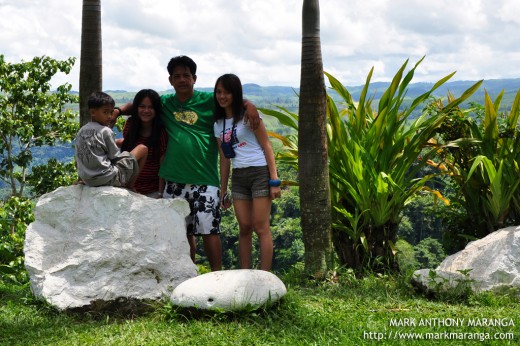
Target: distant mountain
point(287, 97)
point(492, 86)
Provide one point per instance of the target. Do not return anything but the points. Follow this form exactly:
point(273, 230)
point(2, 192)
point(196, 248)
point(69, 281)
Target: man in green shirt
point(190, 166)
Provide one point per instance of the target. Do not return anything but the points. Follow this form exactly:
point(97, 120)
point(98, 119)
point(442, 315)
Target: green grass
point(341, 311)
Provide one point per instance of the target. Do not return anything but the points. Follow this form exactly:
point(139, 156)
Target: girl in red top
point(145, 127)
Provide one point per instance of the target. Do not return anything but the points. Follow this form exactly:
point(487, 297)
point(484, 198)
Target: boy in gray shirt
point(98, 159)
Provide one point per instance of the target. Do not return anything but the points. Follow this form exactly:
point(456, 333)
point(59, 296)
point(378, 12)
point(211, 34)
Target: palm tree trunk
point(312, 147)
point(90, 74)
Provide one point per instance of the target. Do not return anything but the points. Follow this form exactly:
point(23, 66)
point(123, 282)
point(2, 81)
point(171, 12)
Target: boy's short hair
point(99, 99)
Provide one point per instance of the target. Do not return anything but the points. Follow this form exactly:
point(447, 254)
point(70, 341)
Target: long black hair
point(232, 84)
point(135, 124)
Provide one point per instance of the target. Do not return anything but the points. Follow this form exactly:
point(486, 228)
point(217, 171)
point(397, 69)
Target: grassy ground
point(341, 311)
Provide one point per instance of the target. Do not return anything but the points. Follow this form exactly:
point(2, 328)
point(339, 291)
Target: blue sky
point(260, 40)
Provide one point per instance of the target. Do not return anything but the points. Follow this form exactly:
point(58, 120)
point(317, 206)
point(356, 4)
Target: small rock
point(230, 290)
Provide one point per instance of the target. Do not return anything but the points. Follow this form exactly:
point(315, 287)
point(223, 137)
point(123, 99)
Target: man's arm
point(127, 108)
point(251, 115)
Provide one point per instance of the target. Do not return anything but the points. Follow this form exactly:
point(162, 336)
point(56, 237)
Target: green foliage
point(374, 161)
point(406, 230)
point(31, 115)
point(16, 213)
point(421, 218)
point(429, 253)
point(451, 290)
point(288, 244)
point(229, 238)
point(288, 206)
point(481, 155)
point(48, 177)
point(406, 257)
point(289, 154)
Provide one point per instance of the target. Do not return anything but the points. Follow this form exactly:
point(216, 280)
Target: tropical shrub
point(374, 160)
point(405, 257)
point(31, 115)
point(48, 177)
point(16, 213)
point(481, 152)
point(429, 253)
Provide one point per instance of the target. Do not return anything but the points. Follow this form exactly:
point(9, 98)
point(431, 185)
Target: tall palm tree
point(90, 73)
point(312, 146)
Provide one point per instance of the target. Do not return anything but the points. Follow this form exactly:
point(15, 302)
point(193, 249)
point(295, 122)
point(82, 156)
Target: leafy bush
point(48, 177)
point(374, 160)
point(481, 154)
point(31, 115)
point(429, 253)
point(16, 214)
point(406, 257)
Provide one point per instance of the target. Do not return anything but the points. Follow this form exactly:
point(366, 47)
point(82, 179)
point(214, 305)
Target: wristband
point(274, 182)
point(120, 111)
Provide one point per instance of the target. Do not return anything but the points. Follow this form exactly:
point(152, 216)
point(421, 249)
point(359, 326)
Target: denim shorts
point(250, 182)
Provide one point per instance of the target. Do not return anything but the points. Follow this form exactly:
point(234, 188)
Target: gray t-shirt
point(95, 149)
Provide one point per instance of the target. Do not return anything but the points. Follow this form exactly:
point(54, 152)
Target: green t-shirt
point(192, 153)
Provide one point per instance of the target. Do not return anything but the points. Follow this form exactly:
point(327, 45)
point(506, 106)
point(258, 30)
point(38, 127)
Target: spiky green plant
point(374, 161)
point(483, 161)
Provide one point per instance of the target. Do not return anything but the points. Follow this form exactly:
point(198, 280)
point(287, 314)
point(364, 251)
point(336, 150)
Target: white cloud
point(260, 40)
point(508, 11)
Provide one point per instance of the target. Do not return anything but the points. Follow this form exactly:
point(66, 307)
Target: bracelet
point(120, 111)
point(275, 182)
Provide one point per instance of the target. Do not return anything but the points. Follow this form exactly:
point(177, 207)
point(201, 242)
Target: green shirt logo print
point(188, 117)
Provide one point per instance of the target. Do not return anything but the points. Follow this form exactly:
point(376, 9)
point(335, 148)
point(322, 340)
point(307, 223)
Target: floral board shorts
point(204, 201)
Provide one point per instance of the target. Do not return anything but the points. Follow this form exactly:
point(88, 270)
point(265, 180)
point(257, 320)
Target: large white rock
point(490, 262)
point(102, 244)
point(230, 290)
